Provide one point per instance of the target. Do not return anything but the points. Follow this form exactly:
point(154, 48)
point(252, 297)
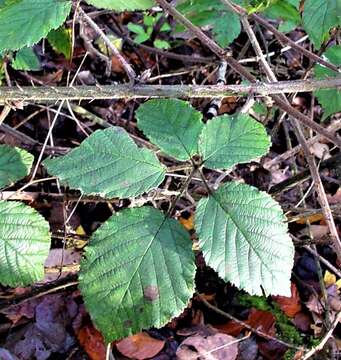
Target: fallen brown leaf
point(302, 321)
point(289, 305)
point(140, 346)
point(261, 320)
point(92, 342)
point(214, 347)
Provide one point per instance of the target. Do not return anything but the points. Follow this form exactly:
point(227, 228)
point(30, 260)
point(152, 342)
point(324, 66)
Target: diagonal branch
point(127, 67)
point(321, 194)
point(244, 72)
point(280, 36)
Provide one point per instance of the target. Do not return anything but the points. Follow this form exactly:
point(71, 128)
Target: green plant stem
point(181, 191)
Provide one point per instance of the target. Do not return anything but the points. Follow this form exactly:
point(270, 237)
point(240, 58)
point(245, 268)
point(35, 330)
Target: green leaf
point(26, 60)
point(253, 6)
point(285, 11)
point(141, 38)
point(173, 125)
point(161, 44)
point(165, 27)
point(121, 5)
point(25, 22)
point(229, 140)
point(214, 14)
point(61, 41)
point(15, 164)
point(149, 20)
point(138, 272)
point(135, 28)
point(244, 238)
point(330, 99)
point(226, 31)
point(319, 16)
point(109, 164)
point(24, 244)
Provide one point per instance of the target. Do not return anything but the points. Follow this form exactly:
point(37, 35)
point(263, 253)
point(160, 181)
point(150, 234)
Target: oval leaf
point(25, 22)
point(108, 163)
point(330, 99)
point(138, 272)
point(121, 5)
point(15, 163)
point(244, 238)
point(26, 60)
point(24, 244)
point(229, 140)
point(173, 125)
point(319, 16)
point(212, 14)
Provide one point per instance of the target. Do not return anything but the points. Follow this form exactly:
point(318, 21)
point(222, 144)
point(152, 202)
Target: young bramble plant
point(138, 269)
point(144, 32)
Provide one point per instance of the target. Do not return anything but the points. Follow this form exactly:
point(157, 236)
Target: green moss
point(286, 330)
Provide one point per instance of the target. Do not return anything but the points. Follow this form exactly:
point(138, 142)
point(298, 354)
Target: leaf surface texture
point(244, 238)
point(173, 125)
point(138, 272)
point(319, 16)
point(24, 244)
point(15, 163)
point(330, 99)
point(108, 163)
point(229, 140)
point(25, 22)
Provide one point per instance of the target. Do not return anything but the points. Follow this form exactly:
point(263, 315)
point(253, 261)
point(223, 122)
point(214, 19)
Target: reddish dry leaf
point(261, 320)
point(26, 309)
point(272, 350)
point(215, 347)
point(201, 329)
point(289, 305)
point(48, 333)
point(92, 342)
point(140, 346)
point(302, 321)
point(231, 328)
point(116, 66)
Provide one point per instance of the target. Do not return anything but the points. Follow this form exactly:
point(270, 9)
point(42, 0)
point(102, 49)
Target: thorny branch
point(300, 136)
point(139, 91)
point(186, 91)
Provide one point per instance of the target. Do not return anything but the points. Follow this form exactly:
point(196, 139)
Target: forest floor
point(49, 321)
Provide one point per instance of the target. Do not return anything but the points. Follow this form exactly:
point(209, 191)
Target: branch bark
point(50, 93)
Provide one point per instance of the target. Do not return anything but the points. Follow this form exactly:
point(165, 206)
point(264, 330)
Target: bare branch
point(49, 93)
